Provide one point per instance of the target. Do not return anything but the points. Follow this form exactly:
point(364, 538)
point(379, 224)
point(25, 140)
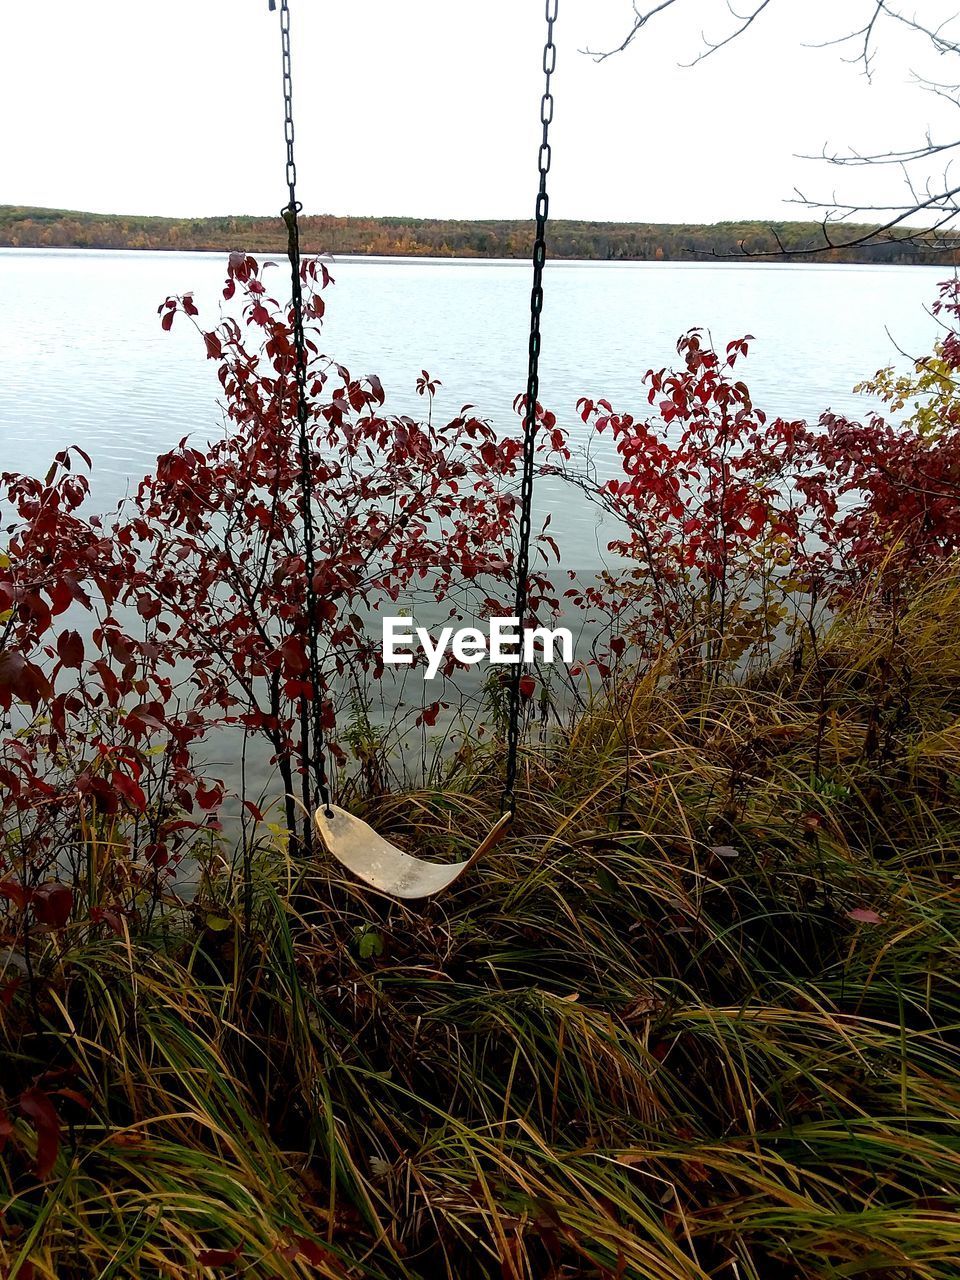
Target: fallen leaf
point(863, 915)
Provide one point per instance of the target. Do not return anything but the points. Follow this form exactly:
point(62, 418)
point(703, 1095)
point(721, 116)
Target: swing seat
point(383, 866)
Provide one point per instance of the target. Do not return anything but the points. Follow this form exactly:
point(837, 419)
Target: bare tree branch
point(866, 33)
point(746, 21)
point(644, 16)
point(923, 197)
point(641, 21)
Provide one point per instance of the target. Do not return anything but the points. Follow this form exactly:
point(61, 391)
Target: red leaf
point(527, 686)
point(296, 662)
point(6, 1128)
point(72, 1095)
point(147, 606)
point(219, 1257)
point(308, 1249)
point(104, 794)
point(61, 594)
point(130, 789)
point(36, 1106)
point(15, 893)
point(167, 321)
point(209, 799)
point(70, 648)
point(103, 915)
point(429, 715)
point(214, 349)
point(52, 904)
point(22, 680)
point(7, 993)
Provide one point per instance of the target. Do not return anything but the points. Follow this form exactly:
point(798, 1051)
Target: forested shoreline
point(35, 228)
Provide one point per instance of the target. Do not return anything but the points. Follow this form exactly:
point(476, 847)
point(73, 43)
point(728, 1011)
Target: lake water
point(83, 359)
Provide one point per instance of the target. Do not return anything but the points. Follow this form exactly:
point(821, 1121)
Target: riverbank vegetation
point(695, 1017)
point(31, 228)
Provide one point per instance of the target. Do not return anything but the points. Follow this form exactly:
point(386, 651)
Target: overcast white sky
point(429, 107)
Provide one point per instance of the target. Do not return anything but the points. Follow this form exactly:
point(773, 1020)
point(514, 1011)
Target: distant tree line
point(30, 228)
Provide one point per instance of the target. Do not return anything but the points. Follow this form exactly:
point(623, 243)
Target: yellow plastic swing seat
point(383, 866)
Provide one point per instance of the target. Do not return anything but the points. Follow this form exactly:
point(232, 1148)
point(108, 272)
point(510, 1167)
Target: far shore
point(27, 227)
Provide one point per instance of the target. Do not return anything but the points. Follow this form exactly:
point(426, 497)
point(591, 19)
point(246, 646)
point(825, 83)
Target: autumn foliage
point(738, 525)
point(126, 639)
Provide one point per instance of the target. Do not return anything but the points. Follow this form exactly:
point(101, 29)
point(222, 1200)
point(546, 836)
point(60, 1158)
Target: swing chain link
point(313, 739)
point(288, 129)
point(533, 390)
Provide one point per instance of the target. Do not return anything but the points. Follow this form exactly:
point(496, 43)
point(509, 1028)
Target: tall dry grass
point(697, 1017)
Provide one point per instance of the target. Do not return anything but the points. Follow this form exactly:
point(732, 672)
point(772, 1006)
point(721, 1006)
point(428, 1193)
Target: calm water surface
point(83, 358)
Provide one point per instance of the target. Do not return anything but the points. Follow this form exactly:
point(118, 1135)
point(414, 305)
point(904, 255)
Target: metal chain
point(288, 129)
point(533, 391)
point(291, 218)
point(313, 741)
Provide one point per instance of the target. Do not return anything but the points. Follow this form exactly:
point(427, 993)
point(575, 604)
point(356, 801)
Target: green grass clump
point(697, 1016)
